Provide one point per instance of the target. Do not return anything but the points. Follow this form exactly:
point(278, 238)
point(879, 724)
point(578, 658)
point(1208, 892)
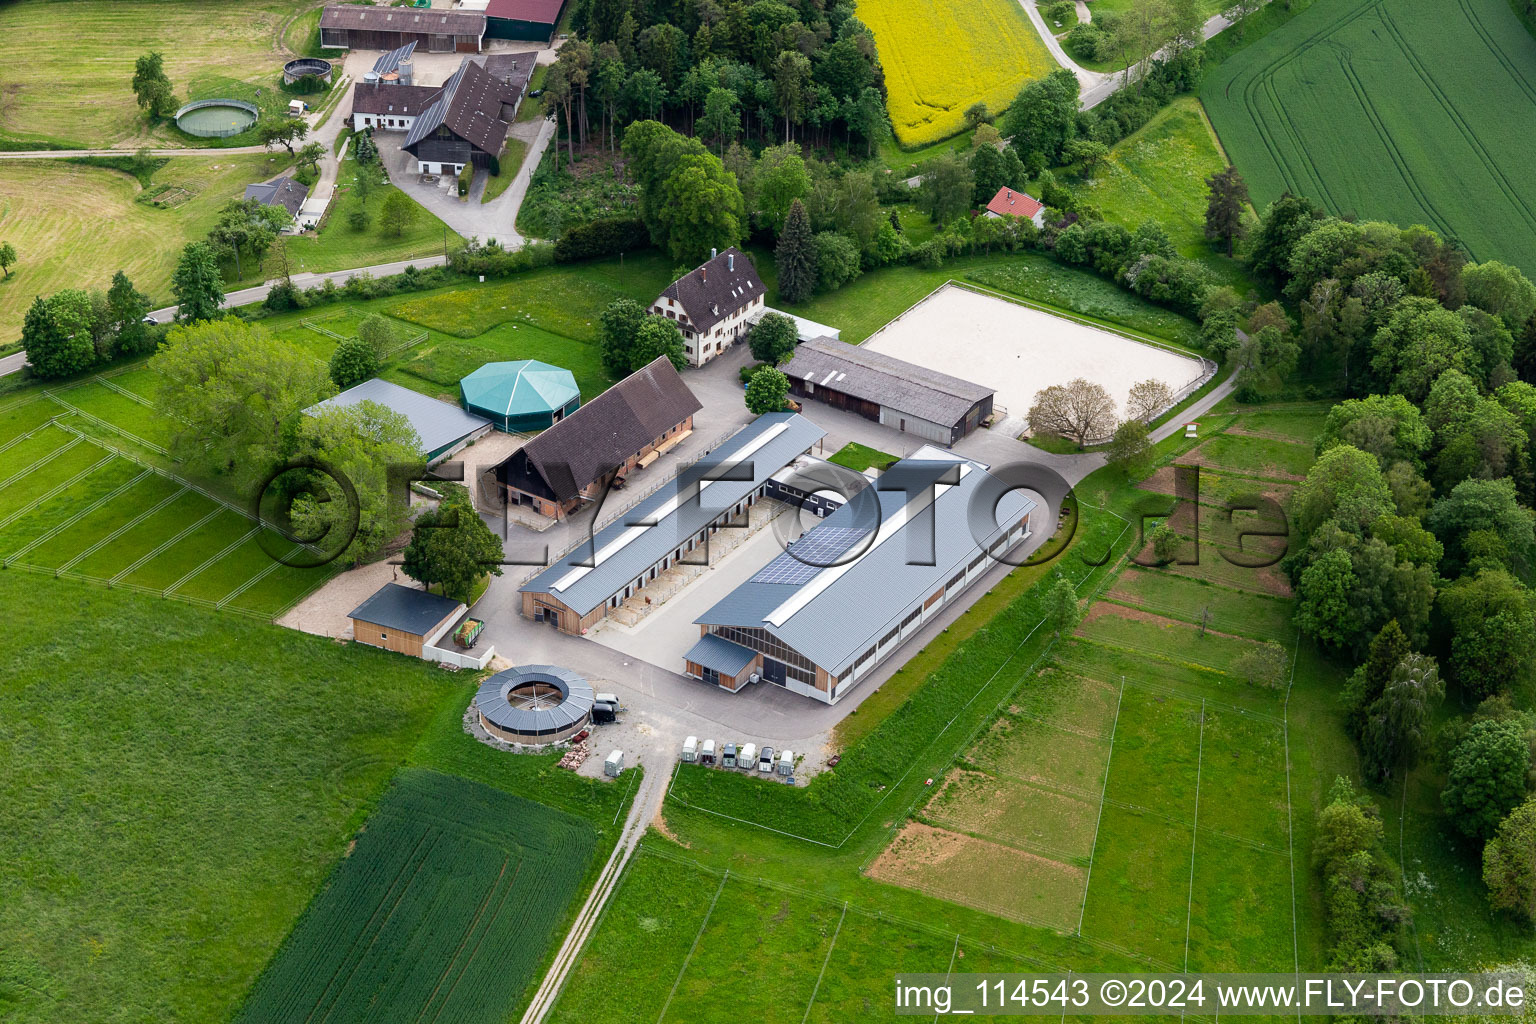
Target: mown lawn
point(178, 783)
point(859, 457)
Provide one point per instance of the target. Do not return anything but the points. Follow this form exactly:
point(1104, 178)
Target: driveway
point(473, 219)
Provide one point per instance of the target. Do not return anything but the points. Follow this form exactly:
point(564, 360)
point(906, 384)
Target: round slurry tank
point(216, 119)
point(534, 704)
point(316, 67)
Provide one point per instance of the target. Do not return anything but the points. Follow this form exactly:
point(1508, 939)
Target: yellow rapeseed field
point(940, 56)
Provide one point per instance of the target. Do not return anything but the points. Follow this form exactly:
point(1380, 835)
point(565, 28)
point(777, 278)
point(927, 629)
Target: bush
point(606, 237)
point(466, 178)
point(492, 260)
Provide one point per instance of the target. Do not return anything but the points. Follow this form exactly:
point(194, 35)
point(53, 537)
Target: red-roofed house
point(1007, 202)
point(522, 19)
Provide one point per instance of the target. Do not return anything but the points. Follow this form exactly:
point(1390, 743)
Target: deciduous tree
point(1395, 723)
point(451, 548)
point(1147, 399)
point(767, 390)
point(1486, 779)
point(657, 336)
point(360, 442)
point(7, 257)
point(353, 362)
point(151, 85)
point(1263, 665)
point(773, 338)
point(1130, 449)
point(1509, 862)
point(126, 309)
point(398, 213)
point(1063, 611)
point(1079, 410)
point(230, 392)
point(57, 334)
point(618, 325)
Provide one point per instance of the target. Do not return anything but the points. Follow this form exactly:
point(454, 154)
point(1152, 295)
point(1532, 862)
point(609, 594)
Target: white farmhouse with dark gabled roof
point(713, 304)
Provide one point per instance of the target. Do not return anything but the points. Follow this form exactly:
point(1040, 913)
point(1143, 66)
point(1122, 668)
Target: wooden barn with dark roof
point(713, 304)
point(366, 27)
point(466, 124)
point(627, 427)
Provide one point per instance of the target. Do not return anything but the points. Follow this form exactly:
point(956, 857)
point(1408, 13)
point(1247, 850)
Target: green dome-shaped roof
point(525, 387)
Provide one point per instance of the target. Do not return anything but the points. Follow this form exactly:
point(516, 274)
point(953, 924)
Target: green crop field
point(1411, 111)
point(442, 910)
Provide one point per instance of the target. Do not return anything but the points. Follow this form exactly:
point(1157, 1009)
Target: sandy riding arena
point(1019, 350)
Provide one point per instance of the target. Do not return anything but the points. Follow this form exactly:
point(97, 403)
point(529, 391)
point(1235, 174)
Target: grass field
point(443, 907)
point(1159, 173)
point(941, 58)
point(1404, 110)
point(178, 784)
point(73, 88)
point(75, 226)
point(863, 306)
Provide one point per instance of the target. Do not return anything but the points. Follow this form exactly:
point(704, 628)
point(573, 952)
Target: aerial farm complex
point(569, 511)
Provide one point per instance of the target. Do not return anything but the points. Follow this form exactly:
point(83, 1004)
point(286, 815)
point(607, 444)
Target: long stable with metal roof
point(442, 428)
point(823, 614)
point(665, 527)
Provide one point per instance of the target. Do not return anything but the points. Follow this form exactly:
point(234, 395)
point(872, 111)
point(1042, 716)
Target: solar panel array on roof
point(818, 549)
point(499, 705)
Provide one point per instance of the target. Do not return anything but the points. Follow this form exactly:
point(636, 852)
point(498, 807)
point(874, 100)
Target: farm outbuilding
point(362, 27)
point(403, 619)
point(523, 19)
point(442, 428)
point(899, 394)
point(521, 395)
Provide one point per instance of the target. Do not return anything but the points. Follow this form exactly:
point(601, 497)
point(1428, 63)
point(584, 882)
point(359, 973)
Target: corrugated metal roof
point(402, 19)
point(843, 609)
point(888, 381)
point(681, 508)
point(724, 656)
point(438, 424)
point(404, 608)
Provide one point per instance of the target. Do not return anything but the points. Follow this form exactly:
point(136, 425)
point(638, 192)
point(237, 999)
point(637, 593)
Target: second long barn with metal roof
point(668, 527)
point(899, 394)
point(844, 597)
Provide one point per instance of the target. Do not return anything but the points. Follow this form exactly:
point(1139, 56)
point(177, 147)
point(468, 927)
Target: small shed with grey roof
point(403, 619)
point(909, 397)
point(717, 660)
point(442, 428)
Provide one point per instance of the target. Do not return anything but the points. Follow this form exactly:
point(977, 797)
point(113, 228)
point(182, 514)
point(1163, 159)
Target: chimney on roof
point(713, 252)
point(1010, 195)
point(704, 272)
point(730, 261)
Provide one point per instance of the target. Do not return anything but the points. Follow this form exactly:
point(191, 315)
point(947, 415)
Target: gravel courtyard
point(1018, 350)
